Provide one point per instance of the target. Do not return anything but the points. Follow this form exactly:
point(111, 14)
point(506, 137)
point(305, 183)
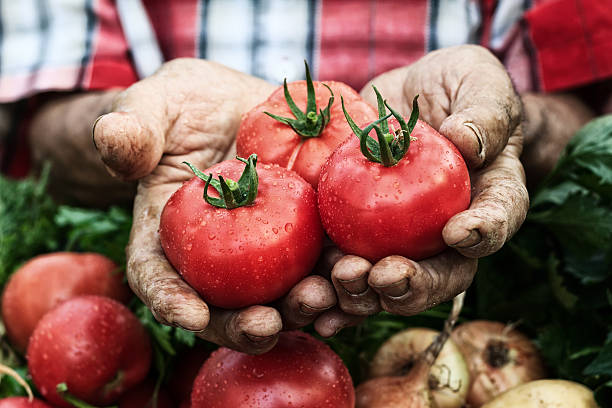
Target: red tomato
point(48, 280)
point(247, 255)
point(93, 344)
point(374, 211)
point(276, 142)
point(22, 402)
point(299, 372)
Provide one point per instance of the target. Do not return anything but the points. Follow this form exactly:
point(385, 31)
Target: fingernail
point(309, 310)
point(355, 286)
point(395, 289)
point(476, 131)
point(258, 339)
point(472, 239)
point(93, 130)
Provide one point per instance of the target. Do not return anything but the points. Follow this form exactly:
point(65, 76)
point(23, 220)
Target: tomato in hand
point(299, 371)
point(250, 244)
point(94, 346)
point(395, 196)
point(287, 129)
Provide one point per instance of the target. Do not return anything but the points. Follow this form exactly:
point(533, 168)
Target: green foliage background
point(554, 277)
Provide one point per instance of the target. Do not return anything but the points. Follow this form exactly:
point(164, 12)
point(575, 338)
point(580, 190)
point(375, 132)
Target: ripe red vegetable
point(22, 402)
point(94, 345)
point(299, 371)
point(48, 280)
point(381, 199)
point(141, 396)
point(304, 143)
point(246, 251)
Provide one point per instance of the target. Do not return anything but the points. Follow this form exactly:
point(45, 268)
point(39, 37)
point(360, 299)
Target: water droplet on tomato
point(291, 185)
point(275, 230)
point(377, 177)
point(211, 236)
point(288, 227)
point(188, 246)
point(324, 177)
point(257, 373)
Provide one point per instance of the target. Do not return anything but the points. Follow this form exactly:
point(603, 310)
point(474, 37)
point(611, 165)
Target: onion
point(499, 358)
point(417, 368)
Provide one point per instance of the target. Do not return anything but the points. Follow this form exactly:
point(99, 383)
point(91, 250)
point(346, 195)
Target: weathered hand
point(190, 111)
point(466, 94)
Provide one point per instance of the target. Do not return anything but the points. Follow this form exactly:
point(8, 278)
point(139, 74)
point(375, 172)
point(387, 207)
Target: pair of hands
point(190, 111)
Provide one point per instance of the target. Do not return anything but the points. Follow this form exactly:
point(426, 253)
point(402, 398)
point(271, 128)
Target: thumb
point(131, 138)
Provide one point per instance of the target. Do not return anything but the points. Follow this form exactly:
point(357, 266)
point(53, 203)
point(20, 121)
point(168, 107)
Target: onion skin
point(444, 385)
point(546, 393)
point(499, 358)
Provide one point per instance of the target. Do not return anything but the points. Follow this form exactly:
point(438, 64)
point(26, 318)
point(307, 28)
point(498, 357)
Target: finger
point(131, 138)
point(150, 275)
point(306, 301)
point(253, 330)
point(334, 320)
point(328, 258)
point(406, 287)
point(350, 278)
point(484, 110)
point(498, 208)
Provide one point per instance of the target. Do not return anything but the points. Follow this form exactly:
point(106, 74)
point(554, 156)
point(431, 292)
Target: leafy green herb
point(26, 222)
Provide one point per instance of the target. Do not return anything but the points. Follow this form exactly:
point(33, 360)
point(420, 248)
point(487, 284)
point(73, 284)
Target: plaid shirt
point(71, 45)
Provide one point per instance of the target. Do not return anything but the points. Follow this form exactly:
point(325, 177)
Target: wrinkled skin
point(476, 107)
point(190, 110)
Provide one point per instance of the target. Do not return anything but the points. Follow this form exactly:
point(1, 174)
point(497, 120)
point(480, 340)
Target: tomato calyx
point(392, 144)
point(310, 123)
point(232, 194)
point(62, 390)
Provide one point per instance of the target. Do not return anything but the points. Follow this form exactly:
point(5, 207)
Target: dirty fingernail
point(354, 286)
point(472, 239)
point(395, 289)
point(258, 339)
point(309, 310)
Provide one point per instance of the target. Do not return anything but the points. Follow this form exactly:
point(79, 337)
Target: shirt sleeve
point(572, 41)
point(61, 46)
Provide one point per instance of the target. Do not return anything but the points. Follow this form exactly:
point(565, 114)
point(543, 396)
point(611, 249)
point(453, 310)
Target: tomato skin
point(22, 402)
point(374, 211)
point(248, 255)
point(275, 142)
point(48, 280)
point(87, 342)
point(299, 372)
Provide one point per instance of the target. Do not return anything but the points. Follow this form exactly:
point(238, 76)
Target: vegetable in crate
point(299, 125)
point(394, 196)
point(251, 243)
point(92, 344)
point(499, 358)
point(48, 280)
point(299, 371)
